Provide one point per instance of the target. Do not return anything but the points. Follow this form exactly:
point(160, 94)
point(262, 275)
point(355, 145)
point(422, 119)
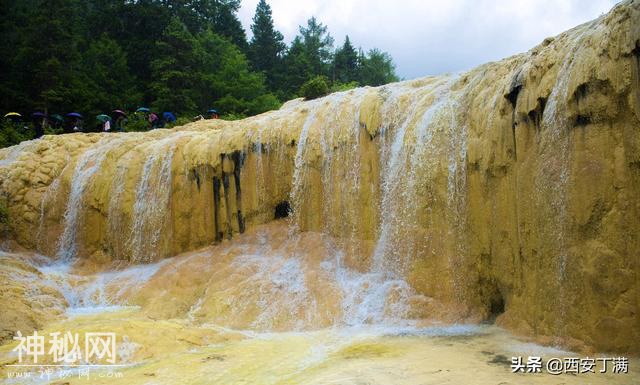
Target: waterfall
point(298, 188)
point(502, 193)
point(88, 164)
point(409, 153)
point(151, 209)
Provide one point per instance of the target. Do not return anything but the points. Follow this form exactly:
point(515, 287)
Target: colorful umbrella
point(143, 109)
point(103, 118)
point(168, 116)
point(74, 115)
point(120, 112)
point(12, 115)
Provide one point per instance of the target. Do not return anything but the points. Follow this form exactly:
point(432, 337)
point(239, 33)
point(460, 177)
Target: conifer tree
point(345, 63)
point(267, 48)
point(173, 69)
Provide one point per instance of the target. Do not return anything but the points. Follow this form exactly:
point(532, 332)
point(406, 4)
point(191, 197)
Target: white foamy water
point(151, 207)
point(89, 163)
point(106, 291)
point(298, 188)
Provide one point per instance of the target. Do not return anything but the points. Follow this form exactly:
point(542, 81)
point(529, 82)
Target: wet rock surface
point(510, 192)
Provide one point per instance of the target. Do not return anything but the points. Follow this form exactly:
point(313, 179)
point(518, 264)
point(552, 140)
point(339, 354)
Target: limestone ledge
point(509, 191)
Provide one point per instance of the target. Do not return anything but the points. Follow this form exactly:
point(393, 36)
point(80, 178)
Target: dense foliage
point(315, 88)
point(184, 56)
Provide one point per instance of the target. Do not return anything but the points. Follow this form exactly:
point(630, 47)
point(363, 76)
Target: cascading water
point(500, 195)
point(153, 196)
point(410, 151)
point(386, 260)
point(87, 166)
point(554, 179)
point(298, 188)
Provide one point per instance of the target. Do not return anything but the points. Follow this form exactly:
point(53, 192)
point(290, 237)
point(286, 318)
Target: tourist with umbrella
point(105, 122)
point(154, 120)
point(39, 121)
point(142, 113)
point(56, 121)
point(213, 114)
point(15, 119)
point(120, 119)
point(168, 118)
point(76, 121)
point(13, 116)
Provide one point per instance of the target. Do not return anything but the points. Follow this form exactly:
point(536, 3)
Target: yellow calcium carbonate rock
point(509, 191)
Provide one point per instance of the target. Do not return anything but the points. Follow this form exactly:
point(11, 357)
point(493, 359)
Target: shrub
point(337, 87)
point(11, 134)
point(315, 88)
point(137, 123)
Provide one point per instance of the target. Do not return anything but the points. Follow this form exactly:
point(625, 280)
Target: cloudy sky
point(427, 37)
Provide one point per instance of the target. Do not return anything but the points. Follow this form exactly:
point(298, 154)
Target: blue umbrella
point(168, 116)
point(74, 115)
point(212, 111)
point(38, 115)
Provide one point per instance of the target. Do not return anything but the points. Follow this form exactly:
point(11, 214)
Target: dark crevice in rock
point(238, 161)
point(196, 177)
point(496, 303)
point(492, 298)
point(582, 120)
point(225, 186)
point(491, 295)
point(636, 51)
point(216, 209)
point(512, 96)
point(537, 114)
point(581, 92)
point(283, 209)
point(595, 101)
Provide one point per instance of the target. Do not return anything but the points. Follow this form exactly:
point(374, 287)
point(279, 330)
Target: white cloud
point(431, 37)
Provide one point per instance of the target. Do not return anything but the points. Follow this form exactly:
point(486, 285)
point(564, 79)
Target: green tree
point(199, 15)
point(13, 18)
point(226, 81)
point(377, 68)
point(173, 69)
point(108, 82)
point(137, 27)
point(184, 55)
point(345, 63)
point(297, 67)
point(267, 47)
point(48, 58)
point(225, 22)
point(318, 45)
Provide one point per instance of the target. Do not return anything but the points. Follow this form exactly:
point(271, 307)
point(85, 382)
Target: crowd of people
point(117, 121)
